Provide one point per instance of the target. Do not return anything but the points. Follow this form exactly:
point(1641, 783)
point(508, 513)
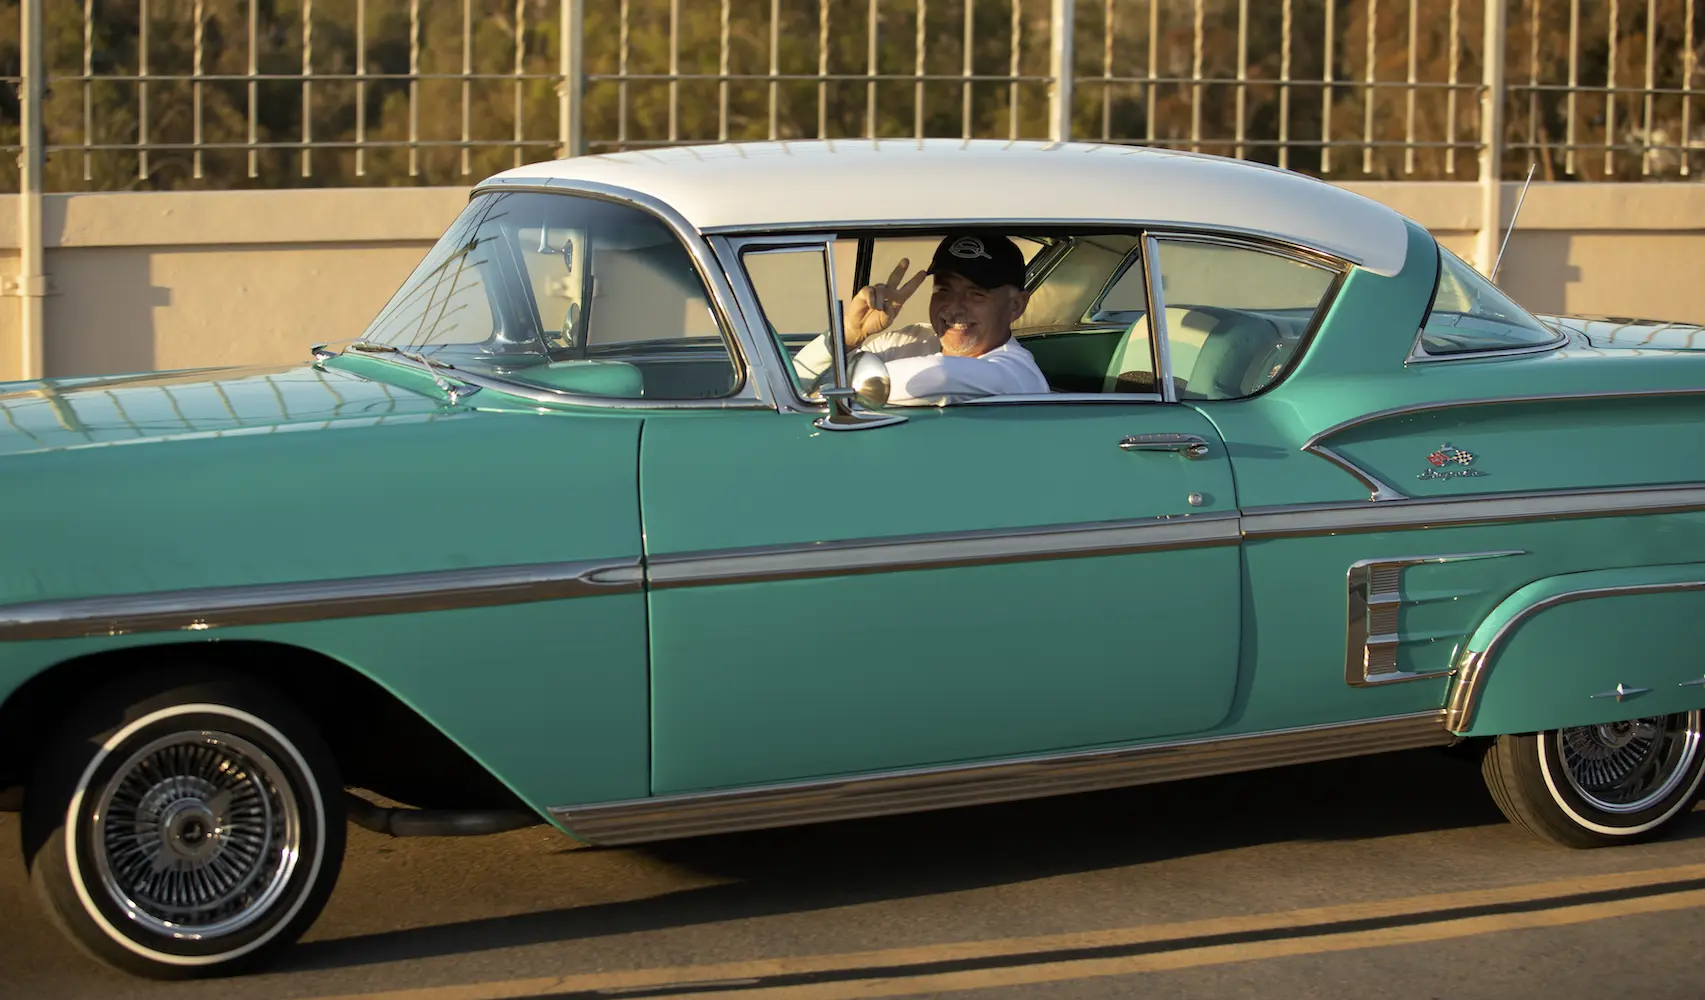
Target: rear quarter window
point(1470, 315)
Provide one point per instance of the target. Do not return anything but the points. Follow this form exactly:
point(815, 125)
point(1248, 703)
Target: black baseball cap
point(985, 261)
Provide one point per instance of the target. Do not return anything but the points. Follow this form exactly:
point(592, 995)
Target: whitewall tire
point(182, 826)
point(1593, 786)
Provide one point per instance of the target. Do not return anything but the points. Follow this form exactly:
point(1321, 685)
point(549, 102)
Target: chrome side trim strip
point(1475, 666)
point(1339, 518)
point(200, 609)
point(1384, 492)
point(1621, 692)
point(940, 551)
point(1376, 600)
point(918, 790)
point(1096, 398)
point(1457, 404)
point(1378, 489)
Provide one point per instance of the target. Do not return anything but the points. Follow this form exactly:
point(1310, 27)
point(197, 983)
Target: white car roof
point(861, 182)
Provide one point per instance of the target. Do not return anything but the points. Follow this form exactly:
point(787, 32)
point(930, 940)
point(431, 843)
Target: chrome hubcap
point(1626, 767)
point(196, 835)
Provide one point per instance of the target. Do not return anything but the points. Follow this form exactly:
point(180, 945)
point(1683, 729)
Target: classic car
point(564, 537)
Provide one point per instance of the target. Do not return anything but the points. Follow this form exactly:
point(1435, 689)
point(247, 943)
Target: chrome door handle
point(1189, 445)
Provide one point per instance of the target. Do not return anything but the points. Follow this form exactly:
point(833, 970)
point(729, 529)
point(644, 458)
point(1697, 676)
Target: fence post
point(1062, 67)
point(31, 282)
point(1492, 136)
point(571, 35)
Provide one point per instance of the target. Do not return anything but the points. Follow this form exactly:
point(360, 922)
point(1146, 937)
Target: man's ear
point(1016, 305)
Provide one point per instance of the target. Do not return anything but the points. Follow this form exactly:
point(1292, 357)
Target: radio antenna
point(1531, 167)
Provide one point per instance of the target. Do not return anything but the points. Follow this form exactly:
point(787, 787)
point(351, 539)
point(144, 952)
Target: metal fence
point(163, 94)
point(140, 94)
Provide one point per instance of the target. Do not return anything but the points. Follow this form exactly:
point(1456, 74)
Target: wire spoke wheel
point(184, 823)
point(1627, 767)
point(196, 834)
point(1602, 784)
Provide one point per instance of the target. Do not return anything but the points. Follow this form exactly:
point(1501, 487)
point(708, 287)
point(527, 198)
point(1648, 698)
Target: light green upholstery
point(594, 378)
point(1228, 366)
point(1216, 353)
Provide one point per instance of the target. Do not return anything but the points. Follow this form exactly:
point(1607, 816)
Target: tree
point(1165, 71)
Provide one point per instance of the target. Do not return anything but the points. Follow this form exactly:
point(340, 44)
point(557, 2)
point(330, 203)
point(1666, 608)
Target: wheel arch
point(1584, 648)
point(372, 732)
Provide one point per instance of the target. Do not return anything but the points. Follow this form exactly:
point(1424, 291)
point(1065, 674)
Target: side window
point(885, 253)
point(1471, 315)
point(567, 293)
point(791, 283)
point(1075, 280)
point(1235, 316)
point(792, 288)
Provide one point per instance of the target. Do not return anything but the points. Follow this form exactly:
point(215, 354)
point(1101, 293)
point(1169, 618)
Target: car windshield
point(1471, 315)
point(567, 292)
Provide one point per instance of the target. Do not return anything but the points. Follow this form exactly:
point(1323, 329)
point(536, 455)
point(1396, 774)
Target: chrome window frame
point(777, 367)
point(1101, 398)
point(1418, 354)
point(1278, 248)
point(738, 338)
point(1160, 335)
point(1133, 256)
point(1302, 251)
point(1340, 267)
point(727, 242)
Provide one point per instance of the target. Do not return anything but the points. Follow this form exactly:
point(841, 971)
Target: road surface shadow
point(804, 869)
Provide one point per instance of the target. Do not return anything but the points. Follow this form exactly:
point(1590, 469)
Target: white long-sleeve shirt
point(920, 375)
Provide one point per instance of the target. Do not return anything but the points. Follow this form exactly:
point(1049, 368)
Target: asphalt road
point(1391, 877)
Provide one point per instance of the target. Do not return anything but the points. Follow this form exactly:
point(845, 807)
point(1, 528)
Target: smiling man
point(967, 351)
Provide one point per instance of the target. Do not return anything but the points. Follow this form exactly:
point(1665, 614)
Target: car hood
point(1620, 332)
point(61, 414)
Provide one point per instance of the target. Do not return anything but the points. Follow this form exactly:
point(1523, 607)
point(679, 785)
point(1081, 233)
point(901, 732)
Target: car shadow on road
point(805, 869)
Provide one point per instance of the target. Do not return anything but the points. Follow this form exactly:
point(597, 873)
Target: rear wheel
point(187, 827)
point(1592, 786)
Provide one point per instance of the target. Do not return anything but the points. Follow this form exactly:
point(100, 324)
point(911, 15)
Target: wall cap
point(419, 215)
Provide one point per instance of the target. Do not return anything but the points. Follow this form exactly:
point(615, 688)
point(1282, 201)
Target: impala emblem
point(1450, 463)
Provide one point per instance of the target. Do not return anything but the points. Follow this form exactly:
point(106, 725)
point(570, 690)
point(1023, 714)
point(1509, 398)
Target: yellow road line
point(1191, 958)
point(1315, 936)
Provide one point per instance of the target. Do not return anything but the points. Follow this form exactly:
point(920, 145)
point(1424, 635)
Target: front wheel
point(186, 827)
point(1592, 786)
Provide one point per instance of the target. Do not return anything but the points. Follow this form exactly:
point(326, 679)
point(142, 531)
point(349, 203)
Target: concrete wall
point(1596, 249)
point(191, 279)
point(177, 280)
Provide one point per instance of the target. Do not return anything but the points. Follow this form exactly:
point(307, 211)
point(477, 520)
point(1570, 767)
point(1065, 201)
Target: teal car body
point(647, 613)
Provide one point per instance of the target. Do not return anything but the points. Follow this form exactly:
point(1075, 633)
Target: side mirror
point(869, 379)
point(863, 380)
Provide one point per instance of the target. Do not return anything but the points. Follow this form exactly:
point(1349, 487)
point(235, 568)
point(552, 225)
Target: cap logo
point(969, 248)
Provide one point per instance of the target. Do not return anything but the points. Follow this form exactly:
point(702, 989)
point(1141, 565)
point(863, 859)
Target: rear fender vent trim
point(1373, 629)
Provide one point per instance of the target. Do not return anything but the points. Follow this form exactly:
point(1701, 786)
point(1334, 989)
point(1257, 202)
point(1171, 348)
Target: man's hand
point(874, 308)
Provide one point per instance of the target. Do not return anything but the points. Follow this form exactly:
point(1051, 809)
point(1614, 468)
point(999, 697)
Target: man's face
point(970, 319)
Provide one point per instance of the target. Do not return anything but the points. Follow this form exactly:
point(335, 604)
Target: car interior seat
point(1217, 353)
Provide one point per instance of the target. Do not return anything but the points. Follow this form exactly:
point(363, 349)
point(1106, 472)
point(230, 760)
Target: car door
point(979, 581)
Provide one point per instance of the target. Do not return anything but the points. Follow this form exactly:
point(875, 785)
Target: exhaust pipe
point(403, 822)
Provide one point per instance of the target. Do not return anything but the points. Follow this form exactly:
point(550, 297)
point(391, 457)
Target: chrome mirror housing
point(869, 379)
point(861, 379)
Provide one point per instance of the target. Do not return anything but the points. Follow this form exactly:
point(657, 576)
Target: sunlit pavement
point(1392, 877)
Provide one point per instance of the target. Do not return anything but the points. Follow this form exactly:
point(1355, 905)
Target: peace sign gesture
point(873, 309)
